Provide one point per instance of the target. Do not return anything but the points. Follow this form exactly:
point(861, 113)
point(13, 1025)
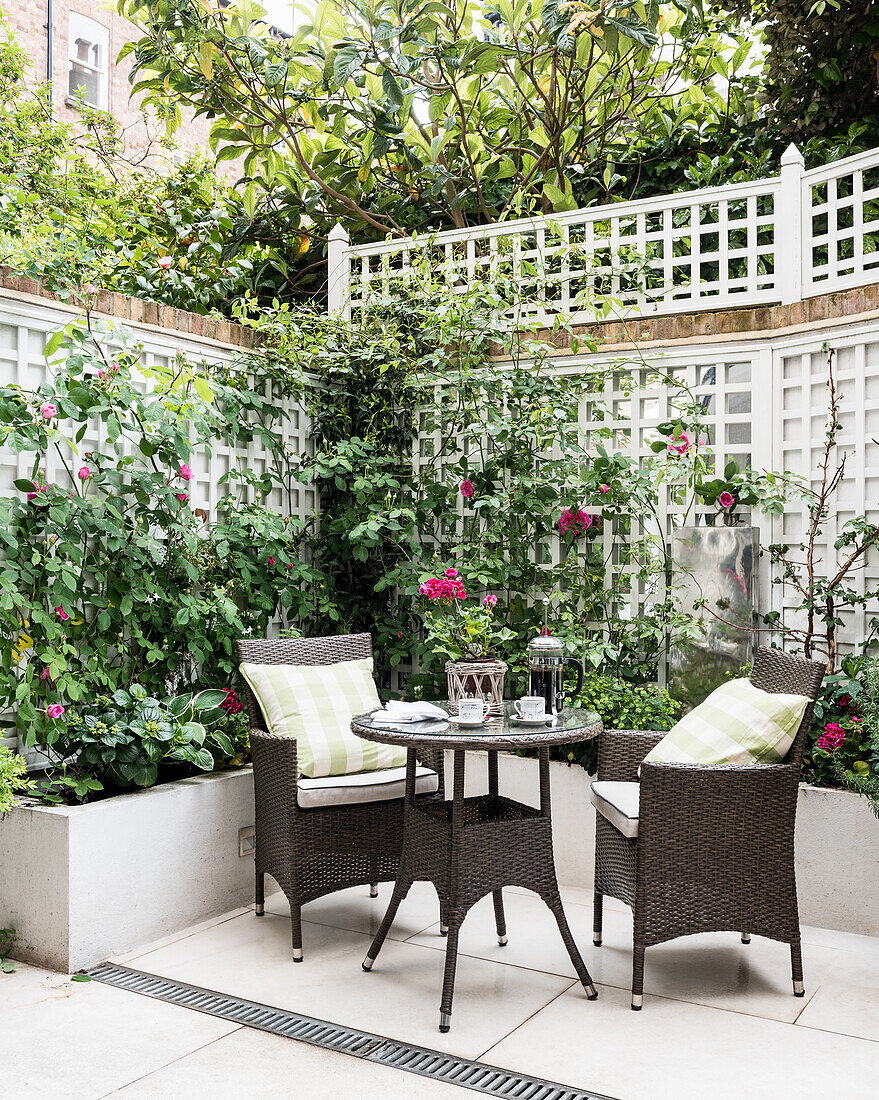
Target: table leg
point(455, 916)
point(553, 900)
point(497, 895)
point(401, 887)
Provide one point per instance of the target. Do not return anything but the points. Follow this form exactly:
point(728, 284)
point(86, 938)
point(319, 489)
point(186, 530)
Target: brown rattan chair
point(714, 849)
point(313, 852)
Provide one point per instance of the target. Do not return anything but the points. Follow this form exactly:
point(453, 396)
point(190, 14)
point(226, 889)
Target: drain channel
point(360, 1044)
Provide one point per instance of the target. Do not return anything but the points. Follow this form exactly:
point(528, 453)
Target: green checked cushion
point(315, 704)
point(737, 724)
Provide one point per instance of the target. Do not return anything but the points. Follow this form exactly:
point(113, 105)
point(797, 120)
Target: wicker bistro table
point(470, 847)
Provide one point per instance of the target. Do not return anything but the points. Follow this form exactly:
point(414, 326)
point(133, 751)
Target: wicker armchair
point(312, 852)
point(714, 849)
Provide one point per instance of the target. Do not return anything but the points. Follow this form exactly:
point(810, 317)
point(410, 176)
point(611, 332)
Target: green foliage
point(7, 936)
point(855, 762)
point(120, 580)
point(528, 104)
point(124, 739)
point(13, 779)
point(820, 72)
point(74, 212)
point(455, 631)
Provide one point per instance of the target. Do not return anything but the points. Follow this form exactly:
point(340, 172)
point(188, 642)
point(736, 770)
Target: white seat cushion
point(618, 802)
point(375, 786)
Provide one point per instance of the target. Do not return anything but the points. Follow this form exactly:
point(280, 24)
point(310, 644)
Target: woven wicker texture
point(471, 847)
point(314, 852)
point(715, 845)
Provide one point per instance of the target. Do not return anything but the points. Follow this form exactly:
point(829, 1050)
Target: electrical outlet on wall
point(246, 840)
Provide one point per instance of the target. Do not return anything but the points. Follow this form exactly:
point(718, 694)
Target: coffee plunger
point(546, 664)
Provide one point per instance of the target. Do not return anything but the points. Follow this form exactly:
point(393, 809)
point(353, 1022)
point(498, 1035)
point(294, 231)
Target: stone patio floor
point(719, 1019)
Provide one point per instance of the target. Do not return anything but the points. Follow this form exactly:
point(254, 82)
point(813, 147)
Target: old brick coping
point(858, 304)
point(142, 312)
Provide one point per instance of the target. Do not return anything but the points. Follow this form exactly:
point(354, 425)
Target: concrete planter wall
point(80, 883)
point(837, 841)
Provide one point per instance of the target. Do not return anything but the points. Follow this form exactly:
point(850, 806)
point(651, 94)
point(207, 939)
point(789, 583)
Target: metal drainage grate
point(361, 1044)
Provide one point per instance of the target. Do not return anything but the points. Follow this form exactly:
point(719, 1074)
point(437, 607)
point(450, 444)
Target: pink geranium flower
point(832, 738)
point(48, 410)
point(443, 588)
point(467, 489)
point(490, 601)
point(726, 500)
point(186, 472)
point(54, 710)
point(271, 560)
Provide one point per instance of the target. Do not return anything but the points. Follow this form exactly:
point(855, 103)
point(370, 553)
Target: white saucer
point(468, 723)
point(547, 718)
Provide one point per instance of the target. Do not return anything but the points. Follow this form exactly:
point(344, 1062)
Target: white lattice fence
point(778, 239)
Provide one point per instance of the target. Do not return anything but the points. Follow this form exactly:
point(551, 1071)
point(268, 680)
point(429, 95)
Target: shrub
point(13, 778)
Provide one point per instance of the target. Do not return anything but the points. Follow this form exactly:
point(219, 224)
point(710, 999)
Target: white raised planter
point(837, 840)
point(80, 883)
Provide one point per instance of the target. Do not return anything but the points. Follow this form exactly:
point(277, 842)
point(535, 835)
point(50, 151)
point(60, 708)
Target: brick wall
point(28, 19)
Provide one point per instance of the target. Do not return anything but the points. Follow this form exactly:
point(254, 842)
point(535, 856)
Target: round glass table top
point(572, 724)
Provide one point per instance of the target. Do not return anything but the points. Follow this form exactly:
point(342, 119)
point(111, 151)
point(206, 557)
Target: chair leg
point(746, 937)
point(796, 966)
point(500, 921)
point(444, 916)
point(598, 918)
point(259, 895)
point(373, 889)
point(296, 929)
point(637, 978)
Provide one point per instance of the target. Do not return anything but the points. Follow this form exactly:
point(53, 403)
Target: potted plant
point(468, 637)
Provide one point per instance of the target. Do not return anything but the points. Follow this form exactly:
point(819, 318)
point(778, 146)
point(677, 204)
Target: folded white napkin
point(397, 711)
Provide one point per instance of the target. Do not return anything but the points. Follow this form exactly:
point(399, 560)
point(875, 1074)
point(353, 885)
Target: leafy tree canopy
point(395, 115)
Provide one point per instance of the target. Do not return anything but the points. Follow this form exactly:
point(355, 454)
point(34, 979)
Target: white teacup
point(472, 711)
point(531, 707)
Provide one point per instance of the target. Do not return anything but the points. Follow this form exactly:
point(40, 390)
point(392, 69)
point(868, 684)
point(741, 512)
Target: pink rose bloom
point(186, 472)
point(451, 573)
point(289, 564)
point(115, 367)
point(90, 288)
point(182, 497)
point(84, 473)
point(574, 520)
point(271, 561)
point(102, 374)
point(604, 488)
point(31, 496)
point(726, 500)
point(467, 489)
point(55, 710)
point(48, 410)
point(443, 588)
point(164, 262)
point(490, 601)
point(679, 444)
point(61, 613)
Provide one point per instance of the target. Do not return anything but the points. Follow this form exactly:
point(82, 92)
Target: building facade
point(74, 44)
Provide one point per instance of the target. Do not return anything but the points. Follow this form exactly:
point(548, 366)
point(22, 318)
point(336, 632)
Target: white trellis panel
point(841, 224)
point(777, 239)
